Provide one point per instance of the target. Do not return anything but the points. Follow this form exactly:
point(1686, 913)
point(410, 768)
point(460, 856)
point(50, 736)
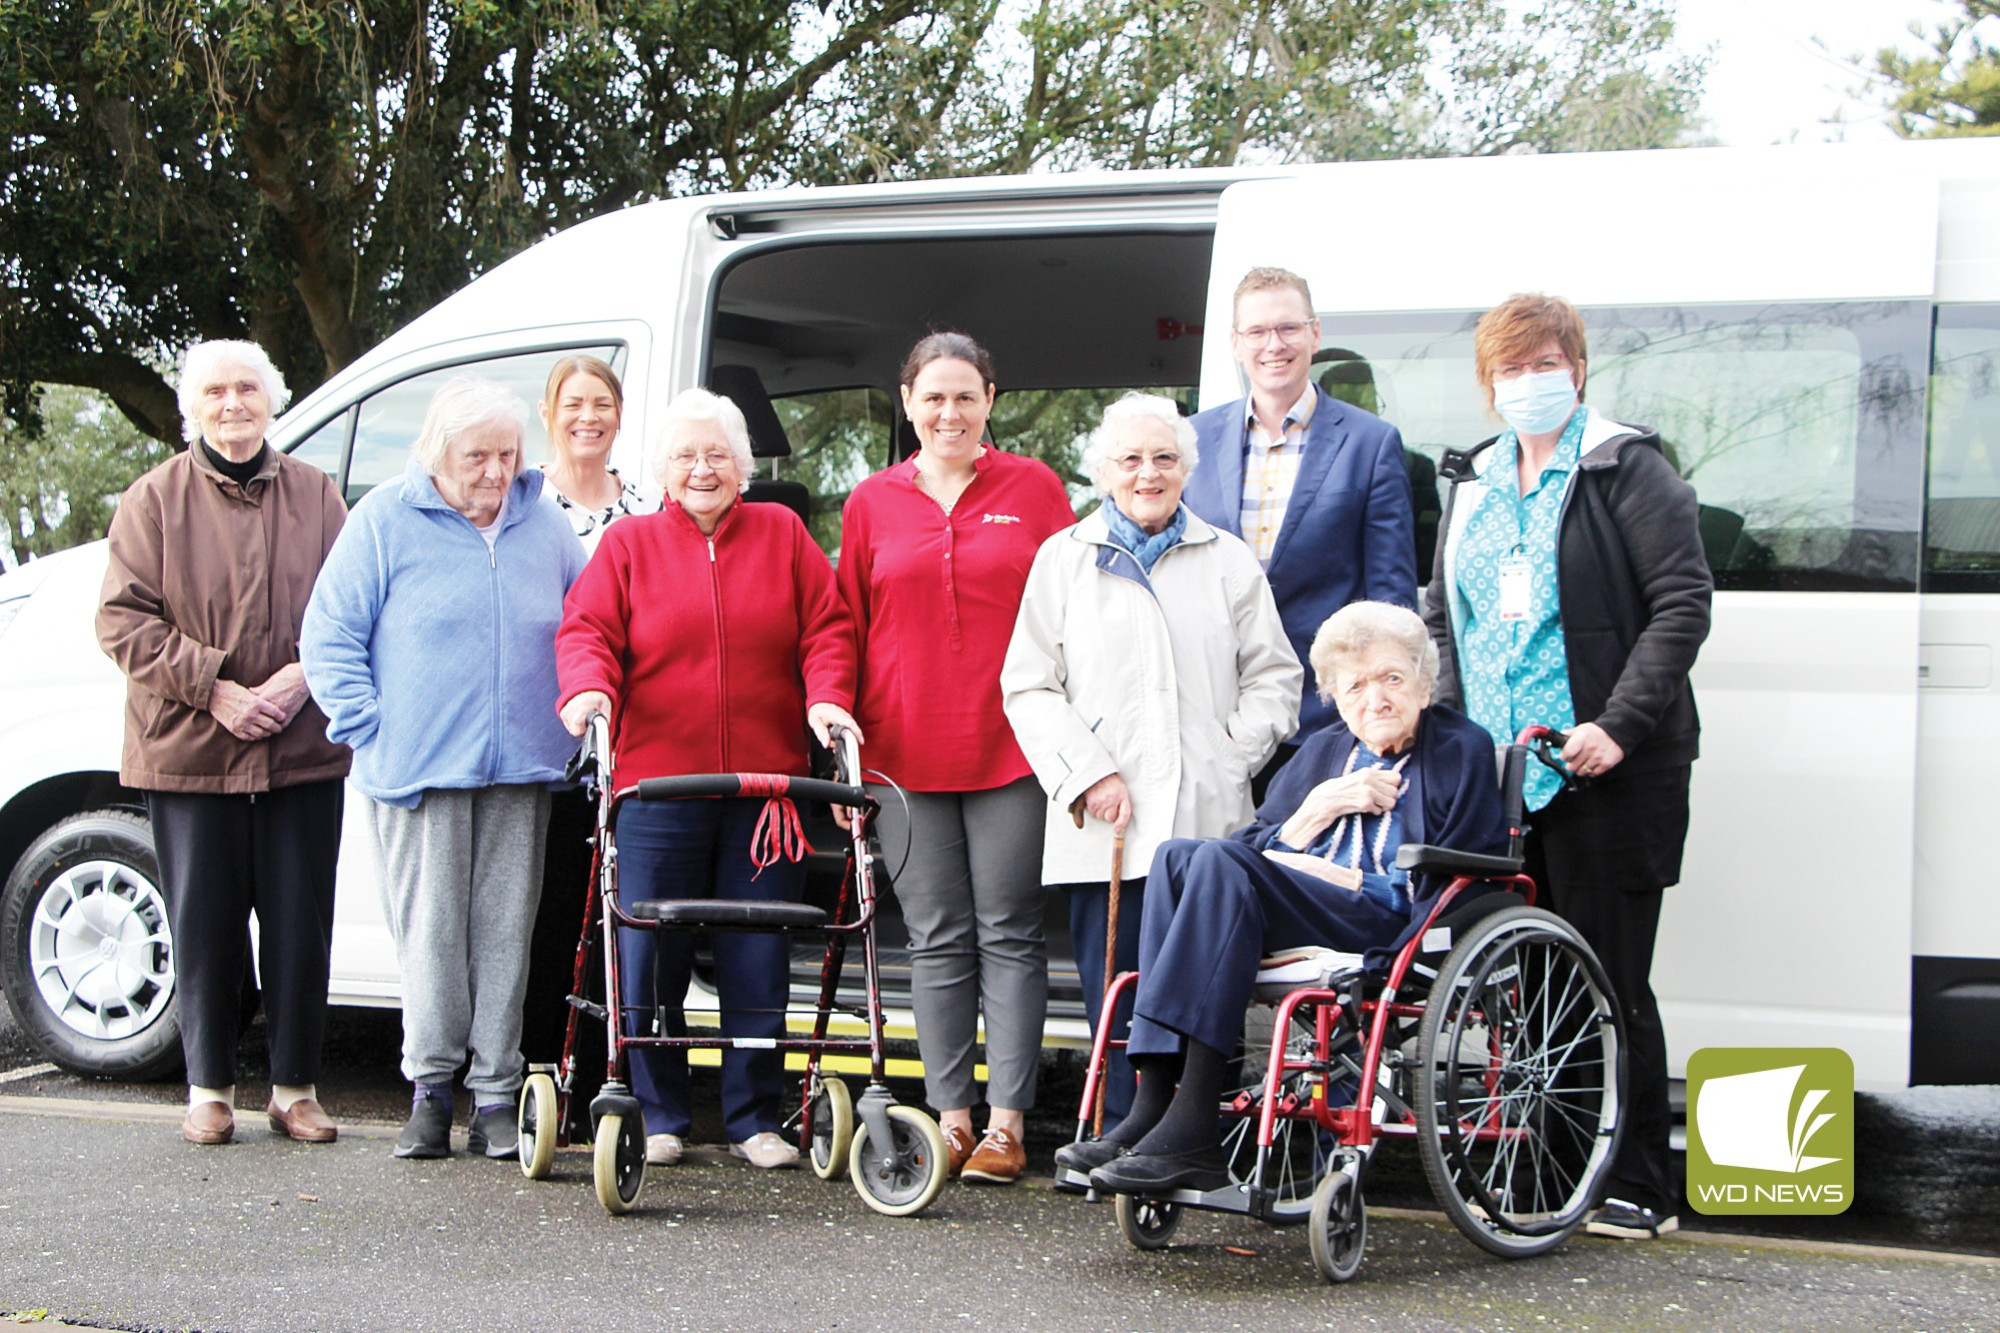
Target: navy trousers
point(701, 849)
point(1215, 908)
point(1089, 917)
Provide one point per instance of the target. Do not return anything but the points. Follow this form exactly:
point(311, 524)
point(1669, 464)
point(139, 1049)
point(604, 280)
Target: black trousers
point(552, 956)
point(1602, 856)
point(220, 858)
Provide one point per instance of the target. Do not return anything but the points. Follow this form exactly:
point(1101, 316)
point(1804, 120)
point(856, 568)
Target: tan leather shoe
point(999, 1160)
point(210, 1122)
point(957, 1148)
point(307, 1122)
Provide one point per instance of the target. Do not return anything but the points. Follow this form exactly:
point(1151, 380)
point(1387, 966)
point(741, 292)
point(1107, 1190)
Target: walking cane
point(1110, 962)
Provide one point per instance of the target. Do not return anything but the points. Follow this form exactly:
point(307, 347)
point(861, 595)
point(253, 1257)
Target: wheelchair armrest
point(1420, 858)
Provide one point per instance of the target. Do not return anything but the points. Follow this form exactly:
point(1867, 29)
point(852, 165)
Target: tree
point(60, 476)
point(1953, 87)
point(314, 173)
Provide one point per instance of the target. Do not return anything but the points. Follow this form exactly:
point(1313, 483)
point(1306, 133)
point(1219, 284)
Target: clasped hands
point(1372, 791)
point(259, 712)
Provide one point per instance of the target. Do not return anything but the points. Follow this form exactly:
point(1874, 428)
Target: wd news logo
point(1770, 1130)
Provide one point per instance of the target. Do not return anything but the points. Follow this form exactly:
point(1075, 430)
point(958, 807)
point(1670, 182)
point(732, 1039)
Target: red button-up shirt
point(934, 597)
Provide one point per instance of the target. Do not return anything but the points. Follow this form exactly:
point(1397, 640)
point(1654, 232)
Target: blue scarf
point(1147, 550)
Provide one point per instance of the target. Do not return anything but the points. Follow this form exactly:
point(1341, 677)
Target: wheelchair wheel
point(1148, 1223)
point(619, 1162)
point(1519, 1082)
point(831, 1115)
point(915, 1174)
point(538, 1121)
point(1339, 1226)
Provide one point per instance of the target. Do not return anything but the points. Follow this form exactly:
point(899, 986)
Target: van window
point(390, 418)
point(1962, 516)
point(326, 447)
point(838, 436)
point(1800, 426)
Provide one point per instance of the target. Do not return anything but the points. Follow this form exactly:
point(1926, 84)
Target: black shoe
point(427, 1133)
point(1087, 1155)
point(1628, 1221)
point(1159, 1173)
point(495, 1133)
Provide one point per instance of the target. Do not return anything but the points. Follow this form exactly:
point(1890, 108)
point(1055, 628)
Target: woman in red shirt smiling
point(934, 554)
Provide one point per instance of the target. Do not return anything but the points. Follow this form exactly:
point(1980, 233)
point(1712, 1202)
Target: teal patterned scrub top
point(1515, 671)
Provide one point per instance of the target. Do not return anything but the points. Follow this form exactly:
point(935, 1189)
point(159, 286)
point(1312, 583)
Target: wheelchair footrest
point(748, 914)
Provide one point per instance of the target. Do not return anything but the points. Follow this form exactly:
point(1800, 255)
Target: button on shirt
point(1516, 672)
point(1270, 470)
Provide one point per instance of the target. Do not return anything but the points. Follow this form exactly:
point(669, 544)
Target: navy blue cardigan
point(1457, 788)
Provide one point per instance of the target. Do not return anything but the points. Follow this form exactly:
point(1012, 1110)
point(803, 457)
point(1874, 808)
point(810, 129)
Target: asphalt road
point(107, 1219)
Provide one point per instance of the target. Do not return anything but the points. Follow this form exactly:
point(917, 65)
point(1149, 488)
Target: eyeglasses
point(717, 460)
point(1160, 462)
point(1287, 333)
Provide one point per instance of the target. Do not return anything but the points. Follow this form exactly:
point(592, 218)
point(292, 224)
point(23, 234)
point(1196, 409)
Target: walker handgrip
point(753, 784)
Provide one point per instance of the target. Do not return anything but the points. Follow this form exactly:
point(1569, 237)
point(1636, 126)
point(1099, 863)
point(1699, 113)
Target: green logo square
point(1770, 1129)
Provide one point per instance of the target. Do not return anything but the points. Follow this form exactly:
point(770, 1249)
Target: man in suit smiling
point(1315, 486)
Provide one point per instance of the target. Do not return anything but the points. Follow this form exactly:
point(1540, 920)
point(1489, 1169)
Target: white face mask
point(1538, 403)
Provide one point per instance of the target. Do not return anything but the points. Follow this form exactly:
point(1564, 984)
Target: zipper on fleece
point(721, 655)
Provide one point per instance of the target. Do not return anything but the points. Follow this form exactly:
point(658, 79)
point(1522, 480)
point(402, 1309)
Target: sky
point(1768, 82)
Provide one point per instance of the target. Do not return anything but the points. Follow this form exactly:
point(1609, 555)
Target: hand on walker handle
point(576, 713)
point(823, 717)
point(1590, 753)
point(1110, 800)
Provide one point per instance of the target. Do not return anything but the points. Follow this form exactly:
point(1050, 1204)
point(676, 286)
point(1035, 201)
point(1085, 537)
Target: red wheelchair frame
point(1494, 1043)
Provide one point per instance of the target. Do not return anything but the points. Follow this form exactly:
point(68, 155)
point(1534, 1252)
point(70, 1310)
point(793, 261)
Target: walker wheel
point(831, 1115)
point(1148, 1223)
point(619, 1163)
point(1339, 1230)
point(915, 1174)
point(539, 1120)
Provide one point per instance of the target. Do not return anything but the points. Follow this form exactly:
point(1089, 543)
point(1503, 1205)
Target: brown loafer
point(957, 1148)
point(210, 1122)
point(307, 1122)
point(999, 1160)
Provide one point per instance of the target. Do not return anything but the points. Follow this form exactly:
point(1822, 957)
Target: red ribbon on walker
point(779, 832)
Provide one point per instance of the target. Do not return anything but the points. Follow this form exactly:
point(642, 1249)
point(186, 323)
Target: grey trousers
point(972, 897)
point(461, 875)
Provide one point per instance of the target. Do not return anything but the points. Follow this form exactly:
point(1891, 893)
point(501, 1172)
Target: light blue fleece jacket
point(433, 654)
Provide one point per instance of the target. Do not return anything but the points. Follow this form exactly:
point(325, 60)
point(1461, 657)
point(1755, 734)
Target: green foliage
point(1953, 87)
point(63, 467)
point(313, 174)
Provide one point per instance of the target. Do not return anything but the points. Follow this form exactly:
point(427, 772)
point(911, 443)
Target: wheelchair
point(894, 1154)
point(1491, 1039)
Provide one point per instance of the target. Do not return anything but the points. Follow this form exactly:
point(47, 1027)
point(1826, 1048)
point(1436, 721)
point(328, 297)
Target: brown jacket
point(209, 580)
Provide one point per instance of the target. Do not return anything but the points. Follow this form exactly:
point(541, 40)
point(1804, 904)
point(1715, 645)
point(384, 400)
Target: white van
point(1814, 331)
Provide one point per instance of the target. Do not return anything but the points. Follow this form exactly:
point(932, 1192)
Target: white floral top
point(589, 524)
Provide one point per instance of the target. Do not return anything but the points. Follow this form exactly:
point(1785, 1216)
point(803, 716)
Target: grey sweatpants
point(461, 875)
point(973, 900)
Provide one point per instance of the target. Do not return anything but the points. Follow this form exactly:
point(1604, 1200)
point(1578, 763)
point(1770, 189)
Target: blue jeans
point(701, 849)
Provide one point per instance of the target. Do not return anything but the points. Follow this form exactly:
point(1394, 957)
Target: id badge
point(1516, 588)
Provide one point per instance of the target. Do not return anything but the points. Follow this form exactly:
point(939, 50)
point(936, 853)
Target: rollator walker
point(1493, 1040)
point(894, 1154)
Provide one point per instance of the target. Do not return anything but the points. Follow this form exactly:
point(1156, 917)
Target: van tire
point(86, 954)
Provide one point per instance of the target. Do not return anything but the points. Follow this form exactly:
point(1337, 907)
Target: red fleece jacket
point(711, 648)
point(934, 599)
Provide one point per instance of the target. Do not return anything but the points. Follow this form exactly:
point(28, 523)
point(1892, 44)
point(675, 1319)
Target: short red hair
point(1520, 326)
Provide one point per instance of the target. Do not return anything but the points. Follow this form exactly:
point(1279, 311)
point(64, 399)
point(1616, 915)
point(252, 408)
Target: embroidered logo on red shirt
point(999, 518)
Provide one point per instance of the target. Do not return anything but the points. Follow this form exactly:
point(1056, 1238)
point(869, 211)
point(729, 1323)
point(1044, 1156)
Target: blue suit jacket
point(1348, 533)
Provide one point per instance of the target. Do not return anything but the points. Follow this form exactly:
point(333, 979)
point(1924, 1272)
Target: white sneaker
point(663, 1149)
point(766, 1150)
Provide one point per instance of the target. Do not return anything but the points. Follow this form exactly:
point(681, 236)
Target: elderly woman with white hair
point(213, 554)
point(430, 643)
point(711, 635)
point(1316, 866)
point(1148, 678)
